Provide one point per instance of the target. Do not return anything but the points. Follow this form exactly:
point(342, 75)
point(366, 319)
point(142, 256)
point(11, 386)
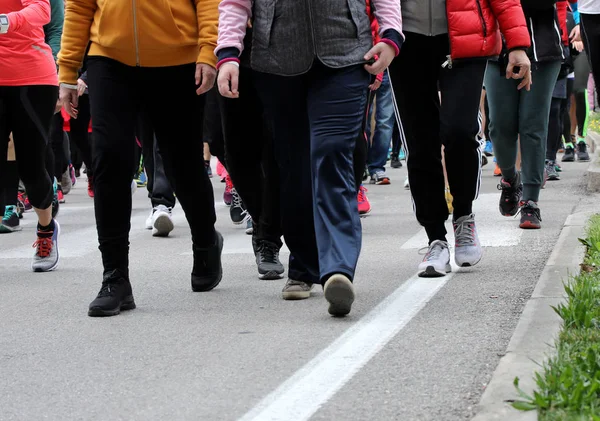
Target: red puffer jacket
point(475, 25)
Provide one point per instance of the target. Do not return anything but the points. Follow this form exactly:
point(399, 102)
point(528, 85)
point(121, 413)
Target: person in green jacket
point(54, 28)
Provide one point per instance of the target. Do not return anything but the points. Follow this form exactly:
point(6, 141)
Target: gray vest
point(289, 34)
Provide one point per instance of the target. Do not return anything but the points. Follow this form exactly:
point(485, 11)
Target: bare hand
point(81, 87)
point(69, 99)
point(575, 34)
point(375, 85)
point(385, 53)
point(205, 78)
point(228, 80)
point(518, 58)
point(58, 106)
point(578, 45)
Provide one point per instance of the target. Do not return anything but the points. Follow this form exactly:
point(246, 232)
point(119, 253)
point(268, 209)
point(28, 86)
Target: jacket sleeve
point(54, 29)
point(208, 23)
point(389, 18)
point(76, 36)
point(512, 23)
point(233, 19)
point(34, 14)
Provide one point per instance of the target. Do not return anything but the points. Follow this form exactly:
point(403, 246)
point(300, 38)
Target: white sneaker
point(467, 249)
point(436, 262)
point(406, 184)
point(162, 224)
point(133, 187)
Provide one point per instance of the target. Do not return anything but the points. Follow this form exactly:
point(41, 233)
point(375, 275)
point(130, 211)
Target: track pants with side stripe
point(417, 78)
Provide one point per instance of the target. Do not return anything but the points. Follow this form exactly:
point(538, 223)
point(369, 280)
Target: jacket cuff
point(67, 76)
point(393, 38)
point(207, 56)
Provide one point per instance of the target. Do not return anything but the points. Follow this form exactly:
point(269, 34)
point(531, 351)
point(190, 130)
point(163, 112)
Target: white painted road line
point(301, 396)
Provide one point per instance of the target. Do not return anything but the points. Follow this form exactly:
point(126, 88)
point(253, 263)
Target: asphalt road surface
point(412, 349)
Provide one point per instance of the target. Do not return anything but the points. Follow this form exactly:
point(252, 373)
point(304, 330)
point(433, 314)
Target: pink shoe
point(220, 169)
point(364, 207)
point(227, 194)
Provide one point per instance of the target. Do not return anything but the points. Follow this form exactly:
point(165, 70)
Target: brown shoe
point(339, 292)
point(296, 290)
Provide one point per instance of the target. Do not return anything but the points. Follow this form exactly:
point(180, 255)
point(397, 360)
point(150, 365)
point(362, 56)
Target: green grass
point(568, 384)
point(594, 123)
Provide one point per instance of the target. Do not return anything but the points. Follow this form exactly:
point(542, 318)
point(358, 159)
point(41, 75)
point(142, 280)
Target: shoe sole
point(4, 229)
point(384, 182)
point(295, 295)
point(528, 225)
point(162, 226)
point(98, 312)
point(206, 288)
point(271, 275)
point(431, 272)
point(583, 160)
point(339, 292)
point(245, 220)
point(363, 214)
point(553, 178)
point(568, 160)
point(41, 270)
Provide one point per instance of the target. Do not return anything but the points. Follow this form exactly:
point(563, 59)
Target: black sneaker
point(569, 155)
point(511, 195)
point(582, 154)
point(10, 220)
point(207, 271)
point(237, 211)
point(114, 296)
point(531, 217)
point(396, 163)
point(267, 260)
point(551, 171)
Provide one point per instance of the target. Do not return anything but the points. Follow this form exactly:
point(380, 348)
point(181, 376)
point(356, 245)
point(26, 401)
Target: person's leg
point(418, 103)
point(113, 101)
point(333, 93)
point(534, 114)
point(590, 34)
point(566, 105)
point(384, 127)
point(554, 131)
point(291, 143)
point(180, 146)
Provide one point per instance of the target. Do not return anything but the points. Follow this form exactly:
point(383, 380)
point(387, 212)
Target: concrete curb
point(593, 172)
point(537, 329)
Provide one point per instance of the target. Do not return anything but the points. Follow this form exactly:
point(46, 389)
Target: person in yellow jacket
point(157, 58)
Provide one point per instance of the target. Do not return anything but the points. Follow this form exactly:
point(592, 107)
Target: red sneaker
point(227, 195)
point(60, 195)
point(497, 172)
point(364, 207)
point(91, 187)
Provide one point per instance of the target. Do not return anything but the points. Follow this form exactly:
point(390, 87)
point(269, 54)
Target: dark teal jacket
point(53, 30)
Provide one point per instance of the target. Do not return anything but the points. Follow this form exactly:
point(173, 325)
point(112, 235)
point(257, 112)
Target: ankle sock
point(46, 231)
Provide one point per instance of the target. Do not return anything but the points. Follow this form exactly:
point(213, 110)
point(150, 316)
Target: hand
point(578, 45)
point(81, 87)
point(575, 34)
point(375, 85)
point(518, 58)
point(386, 54)
point(58, 106)
point(205, 78)
point(228, 81)
point(69, 99)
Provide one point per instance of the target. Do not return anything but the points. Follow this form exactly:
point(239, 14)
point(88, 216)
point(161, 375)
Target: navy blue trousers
point(316, 118)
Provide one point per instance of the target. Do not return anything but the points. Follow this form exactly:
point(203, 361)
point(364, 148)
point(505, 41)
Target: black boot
point(208, 271)
point(114, 296)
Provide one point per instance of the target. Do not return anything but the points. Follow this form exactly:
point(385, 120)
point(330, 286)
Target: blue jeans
point(316, 119)
point(384, 126)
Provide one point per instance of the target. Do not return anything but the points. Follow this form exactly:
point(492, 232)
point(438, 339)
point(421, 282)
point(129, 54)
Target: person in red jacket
point(446, 44)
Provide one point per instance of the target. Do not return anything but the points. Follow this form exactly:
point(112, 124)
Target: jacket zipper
point(312, 26)
point(483, 26)
point(135, 35)
point(533, 44)
point(448, 62)
point(430, 18)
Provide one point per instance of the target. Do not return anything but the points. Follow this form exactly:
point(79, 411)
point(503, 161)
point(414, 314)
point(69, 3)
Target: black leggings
point(582, 74)
point(27, 111)
point(79, 133)
point(559, 116)
point(590, 34)
point(57, 153)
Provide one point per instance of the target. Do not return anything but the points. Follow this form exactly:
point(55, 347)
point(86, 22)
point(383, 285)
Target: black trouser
point(566, 116)
point(160, 190)
point(429, 125)
point(79, 133)
point(590, 34)
point(316, 118)
point(582, 76)
point(27, 112)
point(57, 159)
point(559, 112)
point(167, 94)
point(250, 158)
point(361, 150)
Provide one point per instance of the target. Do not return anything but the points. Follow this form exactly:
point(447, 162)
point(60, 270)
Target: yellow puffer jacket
point(146, 33)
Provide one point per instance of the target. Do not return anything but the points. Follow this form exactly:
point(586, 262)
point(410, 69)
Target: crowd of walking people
point(301, 102)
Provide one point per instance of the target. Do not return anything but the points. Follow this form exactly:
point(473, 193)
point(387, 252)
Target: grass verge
point(568, 384)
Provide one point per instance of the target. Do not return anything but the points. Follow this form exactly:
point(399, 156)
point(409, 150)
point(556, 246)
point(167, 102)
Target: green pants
point(523, 114)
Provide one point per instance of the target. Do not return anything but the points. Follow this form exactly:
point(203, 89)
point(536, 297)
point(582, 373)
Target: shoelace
point(9, 211)
point(530, 210)
point(44, 246)
point(105, 290)
point(508, 188)
point(432, 252)
point(268, 253)
point(236, 200)
point(465, 234)
point(362, 197)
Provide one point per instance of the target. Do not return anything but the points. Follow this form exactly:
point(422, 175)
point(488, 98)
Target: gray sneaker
point(296, 290)
point(339, 293)
point(46, 256)
point(551, 171)
point(467, 248)
point(436, 261)
point(380, 178)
